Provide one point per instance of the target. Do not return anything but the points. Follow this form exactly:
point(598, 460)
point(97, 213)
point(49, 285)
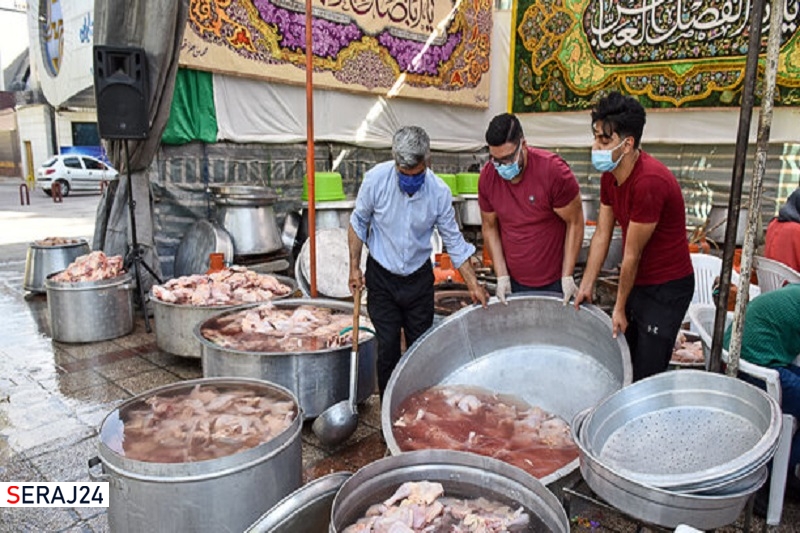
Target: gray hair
point(410, 146)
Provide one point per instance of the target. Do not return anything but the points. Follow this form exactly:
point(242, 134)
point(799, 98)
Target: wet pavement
point(53, 396)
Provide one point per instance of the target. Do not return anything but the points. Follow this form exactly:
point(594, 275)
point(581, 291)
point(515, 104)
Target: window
point(85, 134)
point(92, 164)
point(72, 162)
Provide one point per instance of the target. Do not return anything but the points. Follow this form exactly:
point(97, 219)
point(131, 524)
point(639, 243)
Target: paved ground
point(53, 396)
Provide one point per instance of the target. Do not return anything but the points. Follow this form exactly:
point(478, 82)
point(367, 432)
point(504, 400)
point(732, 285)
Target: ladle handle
point(354, 352)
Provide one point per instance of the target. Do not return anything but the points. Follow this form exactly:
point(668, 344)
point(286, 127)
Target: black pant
point(655, 314)
point(396, 302)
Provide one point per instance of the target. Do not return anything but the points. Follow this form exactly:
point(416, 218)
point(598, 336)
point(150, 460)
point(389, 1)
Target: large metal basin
point(319, 379)
point(658, 506)
point(463, 475)
point(470, 210)
point(175, 323)
point(41, 261)
point(548, 354)
point(219, 495)
point(306, 510)
point(90, 311)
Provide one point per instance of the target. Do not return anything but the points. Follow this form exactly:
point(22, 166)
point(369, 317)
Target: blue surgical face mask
point(509, 171)
point(410, 184)
point(603, 160)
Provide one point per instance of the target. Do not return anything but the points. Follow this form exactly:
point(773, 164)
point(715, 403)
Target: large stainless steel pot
point(224, 494)
point(717, 221)
point(41, 261)
point(319, 379)
point(247, 214)
point(175, 323)
point(614, 256)
point(470, 210)
point(535, 348)
point(463, 475)
point(591, 206)
point(326, 215)
point(90, 311)
point(306, 510)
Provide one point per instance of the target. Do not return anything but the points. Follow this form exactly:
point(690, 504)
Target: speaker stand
point(135, 255)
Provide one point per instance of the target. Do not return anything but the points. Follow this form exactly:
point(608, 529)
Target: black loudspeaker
point(120, 88)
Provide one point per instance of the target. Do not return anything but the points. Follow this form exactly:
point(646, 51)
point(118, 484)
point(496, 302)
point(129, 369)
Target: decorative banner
point(428, 49)
point(668, 53)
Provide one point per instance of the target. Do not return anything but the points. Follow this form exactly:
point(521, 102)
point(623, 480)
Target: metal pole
point(734, 200)
point(764, 125)
point(312, 217)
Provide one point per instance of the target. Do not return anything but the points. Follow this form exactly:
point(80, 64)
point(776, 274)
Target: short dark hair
point(623, 115)
point(504, 129)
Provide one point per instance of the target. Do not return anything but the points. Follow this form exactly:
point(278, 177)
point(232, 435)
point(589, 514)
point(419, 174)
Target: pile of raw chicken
point(476, 420)
point(95, 266)
point(687, 351)
point(205, 423)
point(267, 328)
point(422, 506)
point(231, 286)
point(57, 241)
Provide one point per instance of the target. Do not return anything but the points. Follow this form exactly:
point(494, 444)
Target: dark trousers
point(394, 303)
point(655, 314)
point(517, 288)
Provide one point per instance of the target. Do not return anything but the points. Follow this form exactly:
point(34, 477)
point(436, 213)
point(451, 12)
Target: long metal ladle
point(340, 420)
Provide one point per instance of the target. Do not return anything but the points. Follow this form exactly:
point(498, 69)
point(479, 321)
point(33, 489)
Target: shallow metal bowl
point(463, 475)
point(535, 348)
point(659, 431)
point(658, 506)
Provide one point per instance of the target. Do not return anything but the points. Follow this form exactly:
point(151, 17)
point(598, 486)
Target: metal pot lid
point(202, 239)
point(333, 263)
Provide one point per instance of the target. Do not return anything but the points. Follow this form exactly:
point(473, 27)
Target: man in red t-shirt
point(637, 191)
point(783, 234)
point(531, 213)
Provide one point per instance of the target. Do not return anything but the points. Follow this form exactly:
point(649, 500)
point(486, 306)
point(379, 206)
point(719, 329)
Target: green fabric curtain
point(192, 116)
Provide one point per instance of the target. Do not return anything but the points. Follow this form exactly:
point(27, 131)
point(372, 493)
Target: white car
point(74, 172)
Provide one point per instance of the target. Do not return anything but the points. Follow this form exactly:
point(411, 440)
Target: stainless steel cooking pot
point(319, 379)
point(224, 494)
point(41, 261)
point(591, 206)
point(90, 311)
point(175, 323)
point(306, 510)
point(326, 215)
point(247, 214)
point(470, 210)
point(614, 256)
point(534, 348)
point(463, 475)
point(718, 219)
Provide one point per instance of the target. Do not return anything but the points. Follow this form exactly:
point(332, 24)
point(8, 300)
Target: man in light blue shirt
point(399, 204)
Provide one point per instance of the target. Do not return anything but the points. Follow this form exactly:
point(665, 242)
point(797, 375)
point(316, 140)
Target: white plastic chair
point(702, 317)
point(773, 274)
point(706, 269)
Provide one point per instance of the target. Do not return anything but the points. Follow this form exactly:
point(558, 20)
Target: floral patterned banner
point(668, 53)
point(429, 49)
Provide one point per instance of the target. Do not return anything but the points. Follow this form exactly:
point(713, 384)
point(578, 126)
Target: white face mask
point(603, 160)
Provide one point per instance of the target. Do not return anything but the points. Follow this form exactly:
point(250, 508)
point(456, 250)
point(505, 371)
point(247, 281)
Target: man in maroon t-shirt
point(656, 281)
point(531, 213)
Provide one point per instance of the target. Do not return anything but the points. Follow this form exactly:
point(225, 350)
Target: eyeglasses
point(509, 158)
